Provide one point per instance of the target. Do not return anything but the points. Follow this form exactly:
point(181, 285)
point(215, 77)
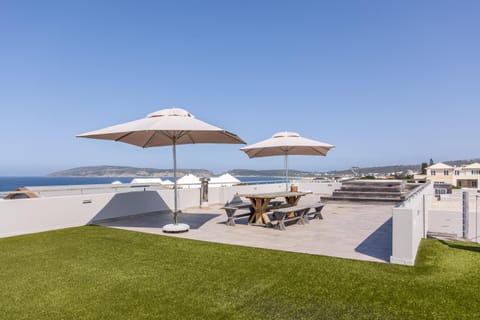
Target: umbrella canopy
point(225, 180)
point(189, 181)
point(285, 144)
point(166, 127)
point(146, 180)
point(167, 183)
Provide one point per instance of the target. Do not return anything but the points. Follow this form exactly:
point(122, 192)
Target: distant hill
point(398, 168)
point(119, 171)
point(460, 162)
point(378, 170)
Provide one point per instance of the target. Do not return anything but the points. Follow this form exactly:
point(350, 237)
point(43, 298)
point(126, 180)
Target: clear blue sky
point(387, 82)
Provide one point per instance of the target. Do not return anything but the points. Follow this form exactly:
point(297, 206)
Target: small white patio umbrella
point(189, 181)
point(225, 180)
point(166, 127)
point(285, 144)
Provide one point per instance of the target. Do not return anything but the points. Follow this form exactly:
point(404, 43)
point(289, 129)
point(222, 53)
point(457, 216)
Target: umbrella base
point(176, 228)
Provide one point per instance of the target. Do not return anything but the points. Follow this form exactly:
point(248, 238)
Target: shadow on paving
point(379, 243)
point(156, 220)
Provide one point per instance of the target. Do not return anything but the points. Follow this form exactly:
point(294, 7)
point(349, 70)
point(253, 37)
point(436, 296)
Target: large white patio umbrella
point(167, 127)
point(285, 144)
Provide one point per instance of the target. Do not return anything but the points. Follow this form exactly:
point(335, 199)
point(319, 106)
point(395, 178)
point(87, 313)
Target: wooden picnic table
point(260, 202)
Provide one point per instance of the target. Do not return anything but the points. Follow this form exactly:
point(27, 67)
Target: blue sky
point(387, 82)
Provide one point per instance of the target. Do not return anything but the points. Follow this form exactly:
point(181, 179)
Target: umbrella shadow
point(158, 220)
point(127, 204)
point(144, 209)
point(379, 243)
point(246, 219)
point(240, 220)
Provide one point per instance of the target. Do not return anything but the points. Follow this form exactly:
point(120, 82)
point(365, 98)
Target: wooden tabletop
point(273, 195)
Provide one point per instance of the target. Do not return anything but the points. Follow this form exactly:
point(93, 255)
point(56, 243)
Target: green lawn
point(101, 273)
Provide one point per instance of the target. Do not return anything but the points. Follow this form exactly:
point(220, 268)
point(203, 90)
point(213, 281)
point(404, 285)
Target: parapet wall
point(410, 220)
point(23, 216)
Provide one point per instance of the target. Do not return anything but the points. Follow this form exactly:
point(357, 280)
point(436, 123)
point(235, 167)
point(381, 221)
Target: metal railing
point(476, 218)
point(457, 214)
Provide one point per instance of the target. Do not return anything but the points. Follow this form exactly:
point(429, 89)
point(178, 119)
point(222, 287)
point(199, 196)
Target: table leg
point(260, 206)
point(254, 217)
point(265, 218)
point(292, 201)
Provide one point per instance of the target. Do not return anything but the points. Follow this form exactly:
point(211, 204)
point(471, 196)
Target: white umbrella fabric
point(166, 127)
point(285, 144)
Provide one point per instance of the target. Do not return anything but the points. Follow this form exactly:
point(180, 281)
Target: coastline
point(11, 183)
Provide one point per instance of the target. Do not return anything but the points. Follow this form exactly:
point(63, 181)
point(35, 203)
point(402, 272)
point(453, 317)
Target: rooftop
point(440, 166)
point(348, 230)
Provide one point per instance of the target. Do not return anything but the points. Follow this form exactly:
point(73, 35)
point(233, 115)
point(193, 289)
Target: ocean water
point(11, 183)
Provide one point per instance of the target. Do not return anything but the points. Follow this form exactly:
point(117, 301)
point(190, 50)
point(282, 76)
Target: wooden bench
point(284, 214)
point(237, 209)
point(276, 204)
point(317, 212)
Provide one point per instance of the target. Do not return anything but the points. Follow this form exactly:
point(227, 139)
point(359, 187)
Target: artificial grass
point(102, 273)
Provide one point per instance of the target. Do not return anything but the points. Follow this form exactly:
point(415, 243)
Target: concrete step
point(356, 199)
point(384, 183)
point(360, 194)
point(371, 188)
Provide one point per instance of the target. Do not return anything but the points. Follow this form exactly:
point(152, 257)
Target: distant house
point(467, 176)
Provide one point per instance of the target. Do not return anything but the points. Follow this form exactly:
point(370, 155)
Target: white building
point(467, 176)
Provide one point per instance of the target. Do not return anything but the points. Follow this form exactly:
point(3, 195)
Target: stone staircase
point(372, 190)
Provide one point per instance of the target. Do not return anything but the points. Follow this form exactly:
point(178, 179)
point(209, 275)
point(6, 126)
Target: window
point(432, 172)
point(445, 172)
point(457, 172)
point(475, 172)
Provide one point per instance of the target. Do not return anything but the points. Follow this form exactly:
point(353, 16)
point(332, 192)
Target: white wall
point(324, 188)
point(410, 220)
point(24, 216)
point(187, 198)
point(223, 195)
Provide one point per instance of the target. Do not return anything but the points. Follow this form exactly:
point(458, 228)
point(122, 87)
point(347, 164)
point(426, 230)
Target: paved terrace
point(446, 217)
point(358, 231)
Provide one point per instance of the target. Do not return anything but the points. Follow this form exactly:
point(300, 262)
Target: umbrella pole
point(175, 181)
point(286, 172)
point(175, 227)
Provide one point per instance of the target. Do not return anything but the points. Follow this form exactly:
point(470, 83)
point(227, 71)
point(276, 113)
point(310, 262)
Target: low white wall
point(410, 219)
point(323, 188)
point(187, 198)
point(24, 216)
point(223, 195)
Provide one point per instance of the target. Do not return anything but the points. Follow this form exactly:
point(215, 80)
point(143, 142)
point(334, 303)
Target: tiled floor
point(358, 231)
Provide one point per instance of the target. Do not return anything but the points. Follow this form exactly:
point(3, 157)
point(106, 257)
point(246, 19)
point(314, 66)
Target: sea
point(12, 183)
